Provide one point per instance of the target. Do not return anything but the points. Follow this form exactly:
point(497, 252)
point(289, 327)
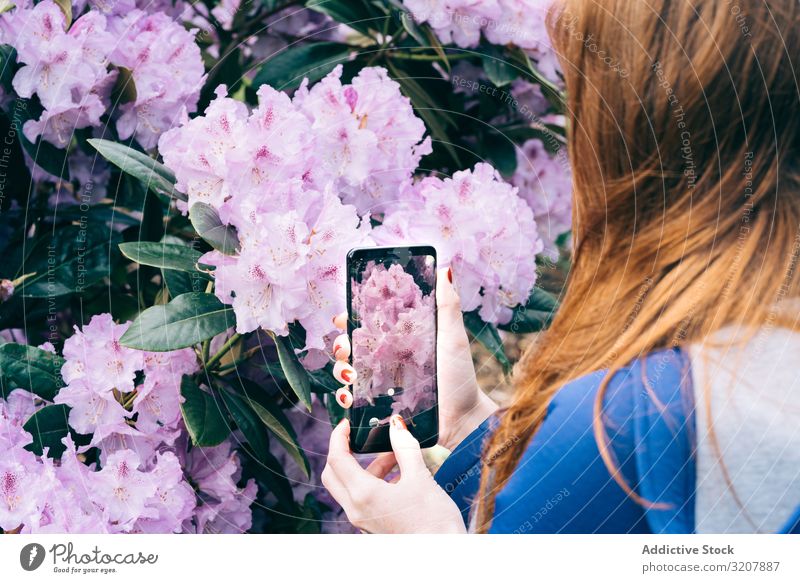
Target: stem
point(222, 351)
point(237, 363)
point(415, 57)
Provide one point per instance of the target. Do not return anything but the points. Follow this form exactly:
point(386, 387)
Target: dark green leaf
point(180, 282)
point(501, 152)
point(248, 423)
point(8, 66)
point(296, 375)
point(48, 426)
point(287, 69)
point(73, 259)
point(208, 225)
point(188, 319)
point(335, 411)
point(426, 108)
point(276, 421)
point(357, 14)
point(30, 368)
point(534, 315)
point(542, 300)
point(153, 174)
point(488, 336)
point(500, 71)
point(204, 420)
point(163, 255)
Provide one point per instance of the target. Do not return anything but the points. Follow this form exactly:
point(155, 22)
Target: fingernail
point(341, 344)
point(344, 373)
point(344, 398)
point(450, 274)
point(398, 422)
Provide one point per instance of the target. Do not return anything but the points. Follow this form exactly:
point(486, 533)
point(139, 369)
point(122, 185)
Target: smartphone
point(391, 299)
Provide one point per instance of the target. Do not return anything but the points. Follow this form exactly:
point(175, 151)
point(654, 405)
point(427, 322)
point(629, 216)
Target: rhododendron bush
point(179, 186)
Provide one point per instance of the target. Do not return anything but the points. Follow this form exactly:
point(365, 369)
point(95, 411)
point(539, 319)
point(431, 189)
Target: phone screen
point(392, 325)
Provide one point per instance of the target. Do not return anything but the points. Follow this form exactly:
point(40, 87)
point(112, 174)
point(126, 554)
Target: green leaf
point(357, 14)
point(208, 225)
point(66, 8)
point(48, 426)
point(163, 255)
point(124, 90)
point(499, 71)
point(287, 69)
point(153, 174)
point(8, 64)
point(187, 320)
point(179, 282)
point(247, 421)
point(542, 300)
point(32, 369)
point(533, 316)
point(296, 375)
point(488, 336)
point(276, 421)
point(69, 261)
point(204, 420)
point(427, 109)
point(501, 152)
point(335, 411)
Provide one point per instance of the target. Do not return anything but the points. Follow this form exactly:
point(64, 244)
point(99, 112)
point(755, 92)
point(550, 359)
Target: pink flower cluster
point(394, 343)
point(481, 228)
point(68, 69)
point(294, 177)
point(144, 482)
point(516, 22)
point(545, 182)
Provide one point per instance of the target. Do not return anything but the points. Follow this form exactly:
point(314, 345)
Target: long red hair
point(683, 134)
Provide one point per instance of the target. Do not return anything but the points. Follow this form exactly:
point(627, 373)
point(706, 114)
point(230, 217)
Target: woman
point(665, 396)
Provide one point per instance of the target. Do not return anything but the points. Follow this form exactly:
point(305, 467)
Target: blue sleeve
point(562, 484)
point(460, 474)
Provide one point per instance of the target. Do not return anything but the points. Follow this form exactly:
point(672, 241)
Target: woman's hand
point(462, 405)
point(413, 504)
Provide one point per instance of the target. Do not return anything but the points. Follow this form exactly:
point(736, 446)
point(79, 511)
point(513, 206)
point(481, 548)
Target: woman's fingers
point(344, 397)
point(341, 461)
point(341, 347)
point(382, 465)
point(406, 448)
point(340, 321)
point(344, 373)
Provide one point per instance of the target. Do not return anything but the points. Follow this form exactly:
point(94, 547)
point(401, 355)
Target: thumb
point(406, 448)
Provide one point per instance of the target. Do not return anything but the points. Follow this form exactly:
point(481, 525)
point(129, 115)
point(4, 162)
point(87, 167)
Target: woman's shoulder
point(645, 431)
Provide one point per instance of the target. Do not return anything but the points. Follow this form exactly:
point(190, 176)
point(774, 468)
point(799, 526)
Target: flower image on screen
point(394, 337)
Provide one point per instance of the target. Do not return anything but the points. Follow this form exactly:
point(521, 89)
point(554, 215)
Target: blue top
point(562, 485)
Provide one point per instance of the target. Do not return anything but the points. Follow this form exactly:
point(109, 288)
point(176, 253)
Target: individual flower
point(481, 228)
point(173, 500)
point(545, 183)
point(122, 490)
point(95, 356)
